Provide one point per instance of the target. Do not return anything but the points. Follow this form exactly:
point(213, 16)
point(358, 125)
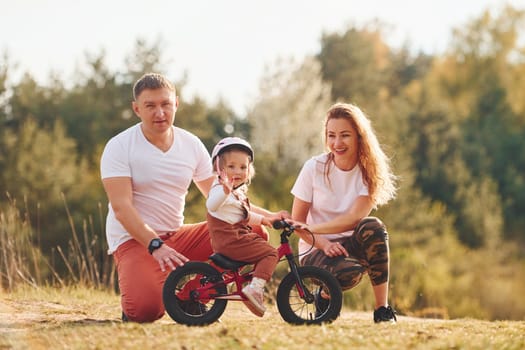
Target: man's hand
point(168, 257)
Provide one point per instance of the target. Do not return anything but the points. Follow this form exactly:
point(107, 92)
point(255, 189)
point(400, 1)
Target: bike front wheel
point(321, 302)
point(188, 294)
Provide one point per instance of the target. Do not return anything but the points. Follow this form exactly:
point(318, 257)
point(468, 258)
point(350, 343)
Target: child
point(230, 214)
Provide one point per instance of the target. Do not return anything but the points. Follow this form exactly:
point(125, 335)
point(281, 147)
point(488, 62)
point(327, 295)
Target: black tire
point(181, 301)
point(297, 310)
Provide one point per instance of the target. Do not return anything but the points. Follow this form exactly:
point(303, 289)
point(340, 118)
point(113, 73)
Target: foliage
point(20, 260)
point(288, 118)
point(468, 124)
point(40, 166)
point(355, 62)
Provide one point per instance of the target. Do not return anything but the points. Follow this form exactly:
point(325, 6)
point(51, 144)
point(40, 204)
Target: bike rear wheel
point(181, 297)
point(297, 310)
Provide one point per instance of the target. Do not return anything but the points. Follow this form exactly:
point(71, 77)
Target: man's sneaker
point(321, 304)
point(124, 317)
point(255, 300)
point(385, 314)
point(192, 307)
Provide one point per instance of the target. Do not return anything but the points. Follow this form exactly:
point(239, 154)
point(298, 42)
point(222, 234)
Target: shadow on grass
point(20, 326)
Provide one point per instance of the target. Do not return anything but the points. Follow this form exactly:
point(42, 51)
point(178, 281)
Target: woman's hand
point(298, 225)
point(333, 249)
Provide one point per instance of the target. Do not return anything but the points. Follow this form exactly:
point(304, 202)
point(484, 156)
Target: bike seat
point(227, 263)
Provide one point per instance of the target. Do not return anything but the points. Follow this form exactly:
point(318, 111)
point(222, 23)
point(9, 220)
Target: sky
point(221, 46)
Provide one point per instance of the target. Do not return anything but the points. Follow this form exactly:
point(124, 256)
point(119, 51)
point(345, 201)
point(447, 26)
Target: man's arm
point(120, 195)
point(205, 185)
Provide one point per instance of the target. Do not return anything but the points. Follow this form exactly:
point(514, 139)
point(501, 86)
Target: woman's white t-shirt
point(330, 197)
point(160, 180)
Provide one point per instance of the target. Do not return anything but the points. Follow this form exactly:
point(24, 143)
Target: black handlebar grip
point(280, 224)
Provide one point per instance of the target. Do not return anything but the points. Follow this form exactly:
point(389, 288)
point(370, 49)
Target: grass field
point(77, 318)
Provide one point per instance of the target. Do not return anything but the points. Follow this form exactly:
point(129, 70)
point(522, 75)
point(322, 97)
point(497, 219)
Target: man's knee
point(144, 311)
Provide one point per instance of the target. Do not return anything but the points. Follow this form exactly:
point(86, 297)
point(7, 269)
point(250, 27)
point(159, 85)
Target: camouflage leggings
point(368, 253)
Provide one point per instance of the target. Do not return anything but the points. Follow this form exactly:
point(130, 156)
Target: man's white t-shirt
point(330, 197)
point(160, 180)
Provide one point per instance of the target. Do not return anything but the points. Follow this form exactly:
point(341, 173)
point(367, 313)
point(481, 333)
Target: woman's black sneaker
point(385, 314)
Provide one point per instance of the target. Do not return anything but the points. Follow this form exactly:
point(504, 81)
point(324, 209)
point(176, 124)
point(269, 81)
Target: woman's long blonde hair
point(374, 164)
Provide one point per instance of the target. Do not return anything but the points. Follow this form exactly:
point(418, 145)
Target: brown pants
point(238, 242)
point(368, 253)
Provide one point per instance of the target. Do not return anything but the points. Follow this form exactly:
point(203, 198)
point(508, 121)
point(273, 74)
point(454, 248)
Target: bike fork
point(304, 293)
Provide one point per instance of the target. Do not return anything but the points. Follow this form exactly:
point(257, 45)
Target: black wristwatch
point(155, 244)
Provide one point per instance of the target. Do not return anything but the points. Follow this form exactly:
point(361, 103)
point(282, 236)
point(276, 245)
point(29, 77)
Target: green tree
point(481, 128)
point(145, 58)
point(95, 108)
point(357, 64)
point(40, 166)
point(30, 100)
point(287, 124)
point(4, 73)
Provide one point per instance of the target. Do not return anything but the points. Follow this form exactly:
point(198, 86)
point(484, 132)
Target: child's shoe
point(255, 300)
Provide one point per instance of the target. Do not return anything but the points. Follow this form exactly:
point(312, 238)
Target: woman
point(334, 194)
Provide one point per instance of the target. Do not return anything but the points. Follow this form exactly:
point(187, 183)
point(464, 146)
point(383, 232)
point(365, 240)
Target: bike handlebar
point(281, 224)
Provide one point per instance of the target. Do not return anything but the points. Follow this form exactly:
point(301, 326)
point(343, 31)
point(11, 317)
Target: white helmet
point(228, 143)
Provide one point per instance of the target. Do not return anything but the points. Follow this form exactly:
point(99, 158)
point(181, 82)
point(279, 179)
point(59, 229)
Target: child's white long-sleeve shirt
point(231, 207)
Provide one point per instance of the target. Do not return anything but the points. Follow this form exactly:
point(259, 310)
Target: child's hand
point(223, 178)
point(225, 182)
point(280, 215)
point(283, 214)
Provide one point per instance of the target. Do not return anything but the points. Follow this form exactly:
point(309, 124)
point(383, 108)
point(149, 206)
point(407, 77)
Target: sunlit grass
point(80, 318)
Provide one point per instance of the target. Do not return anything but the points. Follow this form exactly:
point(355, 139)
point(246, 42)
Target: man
point(146, 171)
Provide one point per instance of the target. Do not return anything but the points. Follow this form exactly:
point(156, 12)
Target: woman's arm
point(300, 210)
point(361, 208)
point(339, 224)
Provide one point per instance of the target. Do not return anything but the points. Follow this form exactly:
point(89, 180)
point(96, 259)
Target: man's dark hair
point(151, 81)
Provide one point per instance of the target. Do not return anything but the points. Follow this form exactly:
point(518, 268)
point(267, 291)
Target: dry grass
point(77, 318)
